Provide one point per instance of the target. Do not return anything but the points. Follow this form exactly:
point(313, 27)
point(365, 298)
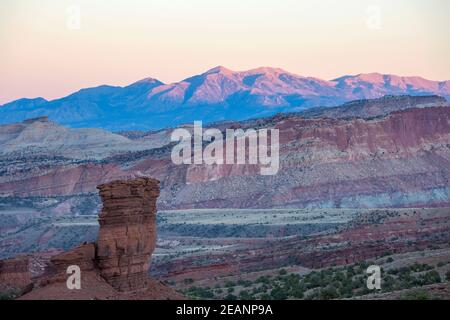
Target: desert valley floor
point(272, 253)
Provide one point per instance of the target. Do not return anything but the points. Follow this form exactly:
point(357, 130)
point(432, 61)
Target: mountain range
point(216, 95)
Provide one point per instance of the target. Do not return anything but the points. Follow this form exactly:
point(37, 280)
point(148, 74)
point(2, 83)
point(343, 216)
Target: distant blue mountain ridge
point(219, 94)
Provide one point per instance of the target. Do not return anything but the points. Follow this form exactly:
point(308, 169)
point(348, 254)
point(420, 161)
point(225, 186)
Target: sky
point(51, 48)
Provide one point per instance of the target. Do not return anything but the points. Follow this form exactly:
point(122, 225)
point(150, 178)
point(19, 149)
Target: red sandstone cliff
point(397, 160)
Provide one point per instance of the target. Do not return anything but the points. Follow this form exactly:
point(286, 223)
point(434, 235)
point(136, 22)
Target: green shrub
point(245, 295)
point(329, 293)
point(431, 278)
point(10, 295)
point(229, 284)
point(244, 283)
point(231, 297)
point(279, 293)
point(196, 292)
point(297, 293)
point(417, 295)
point(263, 279)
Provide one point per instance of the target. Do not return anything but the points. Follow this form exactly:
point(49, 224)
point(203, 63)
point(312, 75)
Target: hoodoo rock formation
point(116, 267)
point(127, 235)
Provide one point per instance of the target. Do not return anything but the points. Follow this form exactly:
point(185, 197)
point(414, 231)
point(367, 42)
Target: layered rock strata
point(127, 235)
point(116, 267)
point(14, 274)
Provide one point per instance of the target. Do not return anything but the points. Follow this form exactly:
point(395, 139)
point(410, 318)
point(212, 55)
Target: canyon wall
point(350, 156)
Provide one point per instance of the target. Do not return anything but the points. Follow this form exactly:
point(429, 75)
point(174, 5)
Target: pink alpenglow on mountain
point(215, 95)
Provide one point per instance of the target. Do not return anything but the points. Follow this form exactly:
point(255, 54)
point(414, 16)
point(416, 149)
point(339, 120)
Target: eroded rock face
point(14, 274)
point(82, 256)
point(127, 235)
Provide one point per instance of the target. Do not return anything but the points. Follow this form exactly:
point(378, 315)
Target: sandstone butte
point(116, 267)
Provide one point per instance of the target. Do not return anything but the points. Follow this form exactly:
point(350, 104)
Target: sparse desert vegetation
point(275, 254)
point(344, 282)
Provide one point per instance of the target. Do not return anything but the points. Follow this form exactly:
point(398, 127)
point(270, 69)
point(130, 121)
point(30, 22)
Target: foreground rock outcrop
point(127, 235)
point(15, 276)
point(116, 267)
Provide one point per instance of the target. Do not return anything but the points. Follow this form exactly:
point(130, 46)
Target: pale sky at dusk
point(122, 41)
